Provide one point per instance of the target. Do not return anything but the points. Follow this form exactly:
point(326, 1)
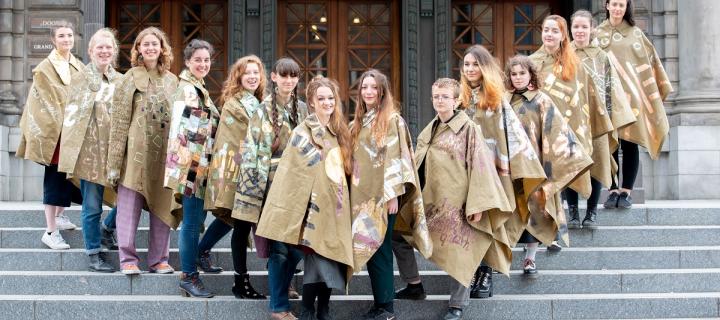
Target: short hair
point(447, 83)
point(106, 33)
point(197, 44)
point(526, 63)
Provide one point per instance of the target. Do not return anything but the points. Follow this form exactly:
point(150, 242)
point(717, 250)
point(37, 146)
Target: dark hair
point(526, 63)
point(628, 12)
point(197, 44)
point(283, 67)
point(61, 24)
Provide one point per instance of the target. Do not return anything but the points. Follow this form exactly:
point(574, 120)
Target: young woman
point(268, 136)
point(84, 143)
point(573, 92)
point(463, 199)
point(644, 79)
point(552, 139)
point(41, 123)
point(517, 164)
point(241, 95)
point(309, 203)
point(138, 146)
point(595, 62)
point(382, 172)
point(192, 134)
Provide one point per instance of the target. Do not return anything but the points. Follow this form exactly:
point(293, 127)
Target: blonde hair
point(107, 33)
point(566, 60)
point(337, 123)
point(166, 57)
point(386, 106)
point(491, 81)
point(233, 83)
point(447, 83)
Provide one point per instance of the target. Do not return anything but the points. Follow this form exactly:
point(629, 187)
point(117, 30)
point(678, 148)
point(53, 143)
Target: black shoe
point(205, 263)
point(378, 314)
point(192, 286)
point(411, 292)
point(624, 201)
point(554, 247)
point(453, 314)
point(590, 221)
point(574, 214)
point(323, 305)
point(108, 239)
point(307, 314)
point(612, 201)
point(98, 263)
point(482, 288)
point(529, 269)
point(242, 289)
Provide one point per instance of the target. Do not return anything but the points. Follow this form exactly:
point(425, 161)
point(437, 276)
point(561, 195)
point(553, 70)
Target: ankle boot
point(206, 264)
point(108, 239)
point(323, 305)
point(590, 221)
point(98, 263)
point(574, 214)
point(242, 289)
point(483, 286)
point(192, 286)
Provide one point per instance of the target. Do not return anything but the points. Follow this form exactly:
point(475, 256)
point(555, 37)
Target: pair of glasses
point(442, 98)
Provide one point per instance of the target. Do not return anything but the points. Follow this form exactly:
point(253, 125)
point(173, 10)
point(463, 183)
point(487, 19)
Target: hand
point(392, 206)
point(476, 217)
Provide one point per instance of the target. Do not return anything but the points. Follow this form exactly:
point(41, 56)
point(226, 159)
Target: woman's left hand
point(392, 206)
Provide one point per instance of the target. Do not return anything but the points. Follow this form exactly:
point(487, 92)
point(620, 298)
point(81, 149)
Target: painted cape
point(595, 62)
point(382, 173)
point(645, 82)
point(227, 153)
point(190, 142)
point(518, 167)
point(562, 158)
point(309, 203)
point(138, 138)
point(580, 104)
point(258, 161)
point(42, 118)
point(459, 180)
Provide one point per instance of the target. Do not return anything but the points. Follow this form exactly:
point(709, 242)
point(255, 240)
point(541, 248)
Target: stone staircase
point(660, 260)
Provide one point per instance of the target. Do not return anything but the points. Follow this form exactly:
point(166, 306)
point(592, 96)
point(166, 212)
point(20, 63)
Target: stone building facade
point(424, 48)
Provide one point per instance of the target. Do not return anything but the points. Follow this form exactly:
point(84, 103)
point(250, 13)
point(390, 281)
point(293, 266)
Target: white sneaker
point(55, 241)
point(63, 223)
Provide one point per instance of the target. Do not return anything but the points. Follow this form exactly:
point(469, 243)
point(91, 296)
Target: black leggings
point(572, 196)
point(630, 164)
point(239, 243)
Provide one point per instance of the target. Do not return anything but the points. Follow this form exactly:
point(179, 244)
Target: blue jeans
point(92, 194)
point(193, 217)
point(216, 231)
point(281, 268)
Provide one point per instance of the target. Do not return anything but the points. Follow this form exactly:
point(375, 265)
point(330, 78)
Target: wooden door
point(340, 40)
point(182, 21)
point(505, 28)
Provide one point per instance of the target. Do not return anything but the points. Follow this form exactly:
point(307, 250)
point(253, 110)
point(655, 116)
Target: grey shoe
point(574, 214)
point(379, 314)
point(590, 220)
point(624, 201)
point(453, 314)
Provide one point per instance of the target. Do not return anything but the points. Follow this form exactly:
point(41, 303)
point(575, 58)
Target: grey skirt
point(320, 269)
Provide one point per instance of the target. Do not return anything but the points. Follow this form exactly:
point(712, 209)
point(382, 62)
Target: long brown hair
point(166, 57)
point(386, 106)
point(283, 67)
point(337, 123)
point(628, 16)
point(491, 81)
point(233, 83)
point(566, 60)
point(526, 63)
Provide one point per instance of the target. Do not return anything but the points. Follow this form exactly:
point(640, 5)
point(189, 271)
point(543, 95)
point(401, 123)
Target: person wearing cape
point(462, 193)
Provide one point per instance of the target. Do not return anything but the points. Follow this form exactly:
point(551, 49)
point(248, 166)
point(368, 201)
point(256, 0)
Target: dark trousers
point(380, 270)
point(630, 164)
point(572, 196)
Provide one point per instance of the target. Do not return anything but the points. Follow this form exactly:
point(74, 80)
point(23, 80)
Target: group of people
point(489, 171)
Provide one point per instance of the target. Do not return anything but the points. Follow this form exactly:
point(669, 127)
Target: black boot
point(242, 289)
point(307, 306)
point(483, 286)
point(323, 304)
point(205, 263)
point(192, 286)
point(590, 221)
point(574, 213)
point(411, 292)
point(108, 239)
point(98, 263)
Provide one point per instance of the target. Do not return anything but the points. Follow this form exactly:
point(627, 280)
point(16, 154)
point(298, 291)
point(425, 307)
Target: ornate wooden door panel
point(505, 28)
point(182, 21)
point(341, 39)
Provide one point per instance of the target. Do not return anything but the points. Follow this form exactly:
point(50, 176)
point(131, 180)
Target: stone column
point(694, 171)
point(9, 110)
point(94, 16)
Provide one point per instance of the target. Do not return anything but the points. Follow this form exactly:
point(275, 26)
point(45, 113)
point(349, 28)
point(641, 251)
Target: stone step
point(666, 213)
point(602, 236)
point(536, 307)
point(435, 282)
point(591, 258)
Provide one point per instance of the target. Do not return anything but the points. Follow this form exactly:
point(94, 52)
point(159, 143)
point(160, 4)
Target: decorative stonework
point(237, 21)
point(442, 42)
point(410, 63)
point(268, 18)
